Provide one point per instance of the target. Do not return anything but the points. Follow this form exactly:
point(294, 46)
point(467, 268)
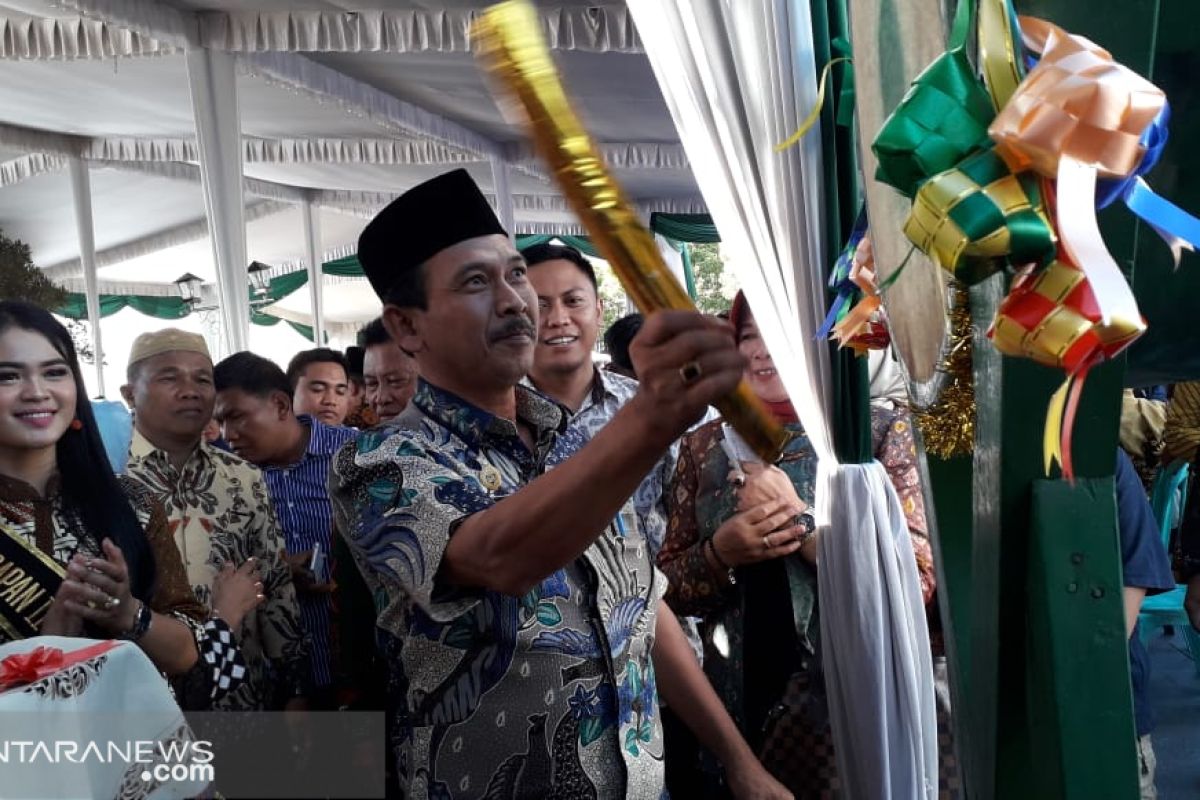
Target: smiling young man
point(570, 315)
point(217, 509)
point(525, 635)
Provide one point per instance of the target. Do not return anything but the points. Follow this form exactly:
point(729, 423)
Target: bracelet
point(808, 526)
point(712, 547)
point(141, 623)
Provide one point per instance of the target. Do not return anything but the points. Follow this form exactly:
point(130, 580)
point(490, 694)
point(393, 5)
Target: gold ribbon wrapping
point(998, 51)
point(510, 46)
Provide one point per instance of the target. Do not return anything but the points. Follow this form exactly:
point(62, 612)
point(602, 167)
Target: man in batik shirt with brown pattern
point(217, 509)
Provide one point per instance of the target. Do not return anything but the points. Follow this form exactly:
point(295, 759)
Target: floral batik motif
point(549, 694)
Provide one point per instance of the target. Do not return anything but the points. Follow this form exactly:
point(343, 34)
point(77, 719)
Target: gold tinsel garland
point(948, 426)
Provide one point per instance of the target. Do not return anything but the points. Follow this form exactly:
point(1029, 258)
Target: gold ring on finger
point(690, 372)
point(767, 542)
point(92, 604)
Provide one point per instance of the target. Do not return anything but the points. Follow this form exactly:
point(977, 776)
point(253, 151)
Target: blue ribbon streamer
point(1168, 219)
point(1154, 139)
point(1162, 214)
point(839, 277)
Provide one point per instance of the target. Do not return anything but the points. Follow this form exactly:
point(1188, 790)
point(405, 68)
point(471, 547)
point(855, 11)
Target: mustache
point(513, 327)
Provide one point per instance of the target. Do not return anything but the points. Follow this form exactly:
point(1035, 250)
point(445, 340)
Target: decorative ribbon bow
point(978, 216)
point(20, 669)
point(1052, 317)
point(942, 118)
point(1079, 115)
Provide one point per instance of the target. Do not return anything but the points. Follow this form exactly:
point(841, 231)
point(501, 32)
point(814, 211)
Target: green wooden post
point(1049, 712)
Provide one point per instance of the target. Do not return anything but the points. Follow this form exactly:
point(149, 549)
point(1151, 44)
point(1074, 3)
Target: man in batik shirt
point(521, 632)
point(570, 313)
point(217, 509)
point(254, 407)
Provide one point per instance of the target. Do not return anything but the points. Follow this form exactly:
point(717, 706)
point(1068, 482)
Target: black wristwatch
point(807, 525)
point(141, 624)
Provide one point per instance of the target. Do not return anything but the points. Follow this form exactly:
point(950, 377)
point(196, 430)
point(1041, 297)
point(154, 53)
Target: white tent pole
point(213, 84)
point(503, 192)
point(81, 188)
point(312, 242)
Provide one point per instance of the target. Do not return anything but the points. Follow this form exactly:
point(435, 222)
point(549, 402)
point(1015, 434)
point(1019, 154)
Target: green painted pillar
point(1049, 713)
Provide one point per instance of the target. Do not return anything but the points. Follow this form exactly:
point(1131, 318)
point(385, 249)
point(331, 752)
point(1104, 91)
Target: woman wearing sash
point(83, 552)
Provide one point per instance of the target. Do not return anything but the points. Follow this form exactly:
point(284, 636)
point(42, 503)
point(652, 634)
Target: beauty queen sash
point(29, 580)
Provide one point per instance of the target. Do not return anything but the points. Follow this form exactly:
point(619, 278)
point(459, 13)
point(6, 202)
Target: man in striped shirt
point(254, 407)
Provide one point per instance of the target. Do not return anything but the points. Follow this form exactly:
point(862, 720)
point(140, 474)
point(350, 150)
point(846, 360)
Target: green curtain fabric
point(695, 228)
point(159, 307)
point(852, 422)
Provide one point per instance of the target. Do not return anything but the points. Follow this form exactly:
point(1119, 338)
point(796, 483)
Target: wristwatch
point(141, 623)
point(807, 526)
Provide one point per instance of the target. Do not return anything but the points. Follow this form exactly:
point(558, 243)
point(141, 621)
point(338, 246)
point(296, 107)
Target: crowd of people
point(640, 613)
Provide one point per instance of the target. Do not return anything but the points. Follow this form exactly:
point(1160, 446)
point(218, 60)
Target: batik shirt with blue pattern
point(547, 695)
point(609, 393)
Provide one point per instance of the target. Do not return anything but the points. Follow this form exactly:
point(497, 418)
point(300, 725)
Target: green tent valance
point(349, 267)
point(694, 228)
point(160, 307)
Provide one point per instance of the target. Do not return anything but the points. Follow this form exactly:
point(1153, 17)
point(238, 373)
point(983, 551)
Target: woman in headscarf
point(93, 550)
point(740, 553)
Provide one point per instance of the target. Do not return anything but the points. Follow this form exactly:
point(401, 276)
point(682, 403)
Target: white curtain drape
point(738, 77)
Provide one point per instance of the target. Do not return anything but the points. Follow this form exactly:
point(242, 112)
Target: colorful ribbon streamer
point(863, 327)
point(839, 277)
point(1079, 114)
point(815, 114)
point(973, 218)
point(999, 50)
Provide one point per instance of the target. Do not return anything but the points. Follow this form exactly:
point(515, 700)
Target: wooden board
point(893, 41)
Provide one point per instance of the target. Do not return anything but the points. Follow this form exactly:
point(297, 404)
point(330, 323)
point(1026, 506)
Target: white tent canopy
point(336, 106)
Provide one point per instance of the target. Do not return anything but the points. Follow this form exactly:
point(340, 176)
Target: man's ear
point(127, 395)
point(404, 326)
point(281, 404)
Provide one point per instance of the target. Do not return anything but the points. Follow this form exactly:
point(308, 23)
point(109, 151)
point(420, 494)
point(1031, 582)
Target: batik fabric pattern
point(45, 522)
point(551, 694)
point(218, 512)
point(702, 499)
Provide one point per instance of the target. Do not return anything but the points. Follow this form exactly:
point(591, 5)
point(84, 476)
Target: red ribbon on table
point(20, 669)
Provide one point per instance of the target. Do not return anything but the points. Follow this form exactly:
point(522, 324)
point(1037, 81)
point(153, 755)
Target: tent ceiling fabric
point(345, 104)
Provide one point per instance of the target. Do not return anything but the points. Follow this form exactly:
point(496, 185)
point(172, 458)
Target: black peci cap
point(421, 222)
